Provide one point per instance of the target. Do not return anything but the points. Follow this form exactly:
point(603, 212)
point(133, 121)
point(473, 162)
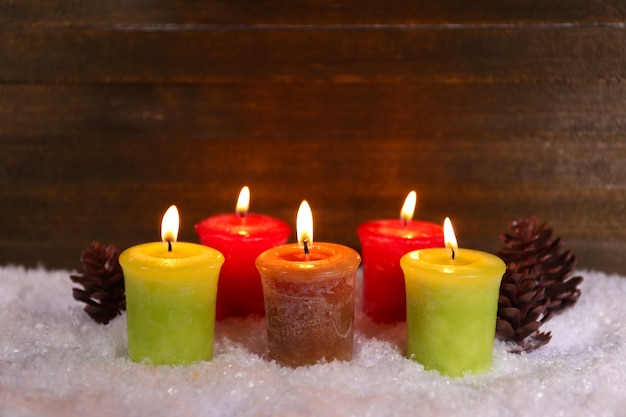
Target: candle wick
point(452, 253)
point(242, 214)
point(306, 247)
point(169, 245)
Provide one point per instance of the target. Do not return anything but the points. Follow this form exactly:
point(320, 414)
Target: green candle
point(452, 300)
point(171, 289)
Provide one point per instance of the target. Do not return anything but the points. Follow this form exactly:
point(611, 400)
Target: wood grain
point(401, 55)
point(111, 111)
point(313, 12)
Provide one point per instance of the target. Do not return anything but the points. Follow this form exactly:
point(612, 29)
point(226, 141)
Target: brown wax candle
point(309, 302)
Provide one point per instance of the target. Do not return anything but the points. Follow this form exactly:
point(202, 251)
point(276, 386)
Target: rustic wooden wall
point(112, 110)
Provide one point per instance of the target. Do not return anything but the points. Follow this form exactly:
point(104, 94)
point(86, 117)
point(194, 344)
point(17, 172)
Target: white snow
point(55, 361)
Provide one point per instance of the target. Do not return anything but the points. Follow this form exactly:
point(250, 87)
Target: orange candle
point(308, 290)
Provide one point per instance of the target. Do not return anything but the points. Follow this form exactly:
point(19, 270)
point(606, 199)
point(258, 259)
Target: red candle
point(309, 298)
point(241, 237)
point(383, 243)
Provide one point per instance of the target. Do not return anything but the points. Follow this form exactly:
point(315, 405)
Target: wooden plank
point(521, 164)
point(569, 166)
point(439, 54)
point(310, 12)
point(579, 185)
point(487, 112)
point(114, 189)
point(67, 217)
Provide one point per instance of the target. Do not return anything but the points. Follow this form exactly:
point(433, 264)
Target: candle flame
point(243, 202)
point(304, 225)
point(449, 237)
point(406, 214)
point(169, 225)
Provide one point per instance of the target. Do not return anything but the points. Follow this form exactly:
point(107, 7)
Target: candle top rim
point(154, 255)
point(468, 263)
point(398, 229)
point(331, 257)
point(251, 226)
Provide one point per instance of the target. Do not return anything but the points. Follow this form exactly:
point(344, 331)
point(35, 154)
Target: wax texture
point(309, 303)
point(383, 243)
point(451, 308)
point(170, 302)
point(241, 239)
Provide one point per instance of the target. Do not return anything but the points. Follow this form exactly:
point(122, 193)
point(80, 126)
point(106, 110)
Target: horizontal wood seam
point(164, 27)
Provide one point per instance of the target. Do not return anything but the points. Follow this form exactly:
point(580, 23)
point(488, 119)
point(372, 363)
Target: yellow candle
point(171, 289)
point(452, 301)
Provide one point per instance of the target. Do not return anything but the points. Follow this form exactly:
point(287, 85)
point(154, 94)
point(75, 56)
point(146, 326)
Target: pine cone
point(521, 305)
point(536, 284)
point(103, 282)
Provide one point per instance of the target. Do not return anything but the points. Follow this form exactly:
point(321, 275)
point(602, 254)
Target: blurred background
point(490, 110)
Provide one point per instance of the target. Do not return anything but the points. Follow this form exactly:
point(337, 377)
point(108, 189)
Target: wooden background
point(491, 110)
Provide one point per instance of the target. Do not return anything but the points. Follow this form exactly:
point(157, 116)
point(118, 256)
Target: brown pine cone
point(103, 282)
point(536, 284)
point(521, 304)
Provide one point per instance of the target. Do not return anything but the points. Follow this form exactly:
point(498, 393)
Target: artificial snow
point(55, 361)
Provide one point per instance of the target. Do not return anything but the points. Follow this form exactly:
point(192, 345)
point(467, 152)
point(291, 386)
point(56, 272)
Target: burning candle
point(383, 242)
point(309, 297)
point(241, 237)
point(452, 301)
point(170, 298)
